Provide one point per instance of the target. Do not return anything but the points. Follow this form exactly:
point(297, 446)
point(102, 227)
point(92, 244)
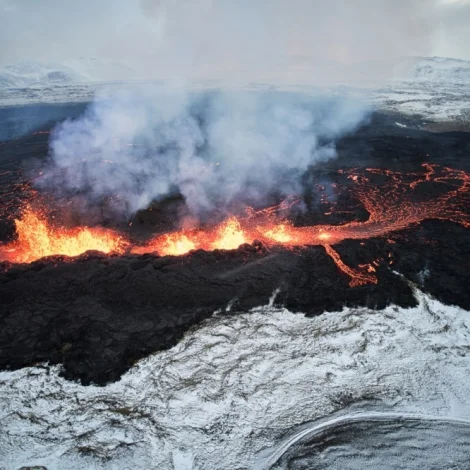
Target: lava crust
point(97, 314)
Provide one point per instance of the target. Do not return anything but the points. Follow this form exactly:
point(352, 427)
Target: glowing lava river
point(393, 206)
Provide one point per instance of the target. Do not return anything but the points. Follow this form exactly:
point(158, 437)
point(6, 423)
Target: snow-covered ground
point(437, 102)
point(237, 385)
point(435, 88)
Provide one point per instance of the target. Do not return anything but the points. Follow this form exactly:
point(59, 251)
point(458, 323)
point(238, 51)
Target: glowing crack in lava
point(393, 204)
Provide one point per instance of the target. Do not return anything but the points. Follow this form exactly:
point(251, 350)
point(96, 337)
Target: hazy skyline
point(183, 37)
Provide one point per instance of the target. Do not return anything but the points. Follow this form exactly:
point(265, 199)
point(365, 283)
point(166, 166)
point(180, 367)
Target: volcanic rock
point(97, 315)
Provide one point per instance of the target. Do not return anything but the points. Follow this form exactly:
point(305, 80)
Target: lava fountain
point(38, 238)
point(394, 204)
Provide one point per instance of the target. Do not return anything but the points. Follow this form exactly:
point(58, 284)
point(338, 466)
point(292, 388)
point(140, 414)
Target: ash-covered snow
point(239, 384)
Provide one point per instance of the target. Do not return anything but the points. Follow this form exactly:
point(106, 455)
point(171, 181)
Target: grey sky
point(184, 35)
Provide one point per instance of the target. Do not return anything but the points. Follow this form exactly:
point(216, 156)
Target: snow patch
point(237, 385)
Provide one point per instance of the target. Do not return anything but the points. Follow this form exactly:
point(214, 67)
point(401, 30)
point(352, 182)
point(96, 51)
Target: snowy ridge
point(237, 385)
point(435, 88)
point(435, 69)
point(29, 73)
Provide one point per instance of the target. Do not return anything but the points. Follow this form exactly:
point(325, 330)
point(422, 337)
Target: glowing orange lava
point(173, 244)
point(394, 205)
point(37, 238)
point(230, 235)
point(227, 236)
point(358, 278)
point(279, 233)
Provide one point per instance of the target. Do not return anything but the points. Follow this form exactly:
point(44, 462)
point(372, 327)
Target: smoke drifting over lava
point(217, 149)
point(392, 206)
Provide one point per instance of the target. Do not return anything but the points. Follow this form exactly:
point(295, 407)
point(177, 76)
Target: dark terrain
point(97, 314)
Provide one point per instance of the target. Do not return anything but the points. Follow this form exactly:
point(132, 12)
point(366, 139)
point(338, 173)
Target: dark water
point(374, 442)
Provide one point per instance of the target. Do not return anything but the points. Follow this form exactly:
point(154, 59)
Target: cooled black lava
point(99, 314)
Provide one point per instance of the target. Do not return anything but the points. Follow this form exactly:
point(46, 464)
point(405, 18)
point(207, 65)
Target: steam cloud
point(204, 38)
point(217, 148)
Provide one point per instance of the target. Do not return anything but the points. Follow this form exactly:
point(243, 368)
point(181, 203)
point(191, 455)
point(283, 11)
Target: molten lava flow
point(227, 236)
point(173, 244)
point(176, 244)
point(279, 233)
point(358, 278)
point(393, 204)
point(37, 238)
point(230, 235)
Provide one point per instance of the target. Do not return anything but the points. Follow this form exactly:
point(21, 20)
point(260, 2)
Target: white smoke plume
point(216, 148)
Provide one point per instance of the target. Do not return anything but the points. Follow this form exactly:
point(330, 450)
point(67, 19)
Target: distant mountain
point(292, 70)
point(27, 73)
point(434, 69)
point(36, 73)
